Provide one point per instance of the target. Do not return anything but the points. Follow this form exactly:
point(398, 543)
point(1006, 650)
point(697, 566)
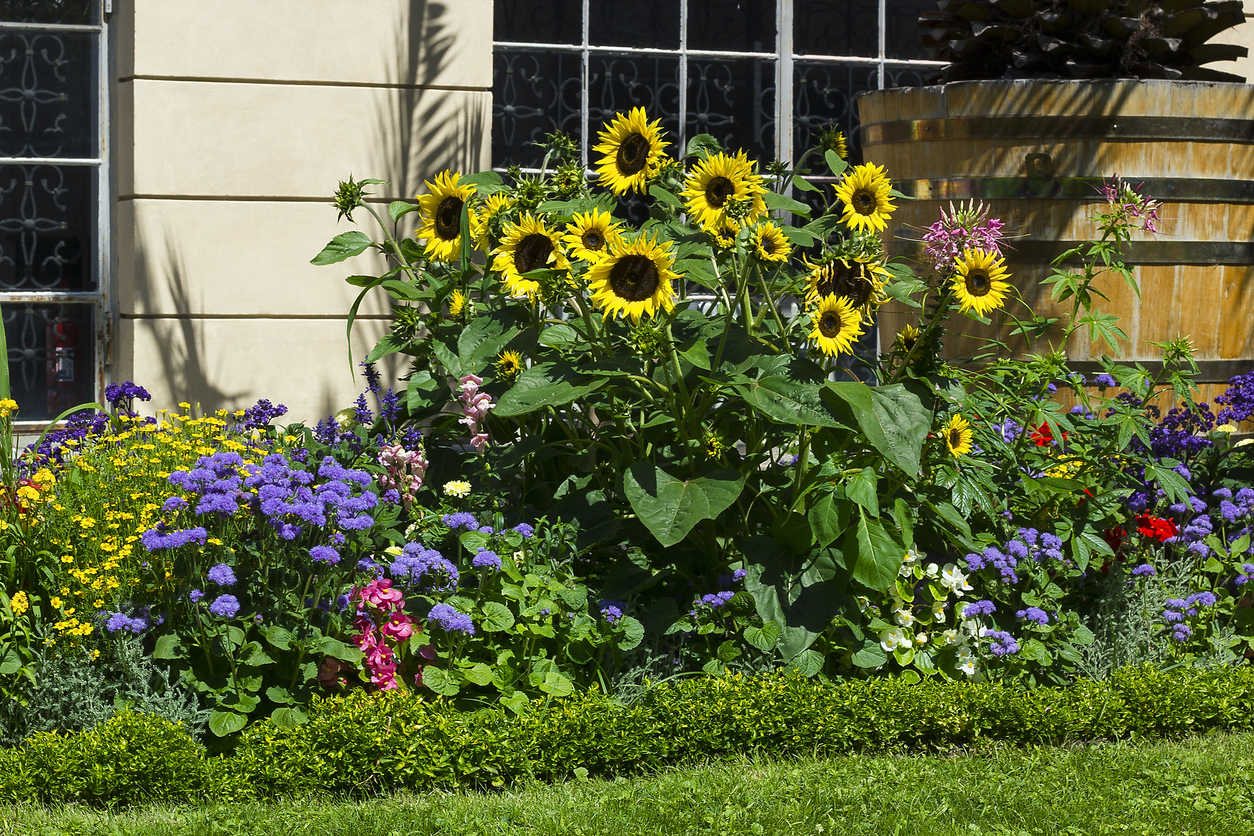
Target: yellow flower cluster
point(8, 406)
point(99, 517)
point(19, 603)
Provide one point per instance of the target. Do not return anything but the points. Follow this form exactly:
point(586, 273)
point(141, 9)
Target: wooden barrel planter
point(1038, 151)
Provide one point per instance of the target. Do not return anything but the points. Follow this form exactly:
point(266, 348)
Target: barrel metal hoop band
point(1168, 189)
point(1208, 371)
point(1204, 253)
point(1046, 129)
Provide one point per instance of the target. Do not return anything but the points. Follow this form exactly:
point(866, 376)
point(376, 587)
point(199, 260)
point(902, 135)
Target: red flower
point(1114, 537)
point(1156, 528)
point(1044, 435)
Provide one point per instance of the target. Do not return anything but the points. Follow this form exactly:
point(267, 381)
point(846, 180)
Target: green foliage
point(129, 758)
point(365, 744)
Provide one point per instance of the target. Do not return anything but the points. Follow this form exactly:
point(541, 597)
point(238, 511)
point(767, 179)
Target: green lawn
point(1198, 786)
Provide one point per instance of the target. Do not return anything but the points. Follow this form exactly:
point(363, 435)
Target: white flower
point(966, 664)
point(950, 636)
point(938, 612)
point(920, 639)
point(907, 566)
point(893, 638)
point(903, 617)
point(955, 580)
point(932, 569)
point(458, 488)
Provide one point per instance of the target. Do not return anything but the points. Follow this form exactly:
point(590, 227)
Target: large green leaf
point(873, 556)
point(222, 723)
point(797, 593)
point(670, 507)
point(548, 384)
point(895, 419)
point(829, 517)
point(345, 245)
point(425, 395)
point(790, 402)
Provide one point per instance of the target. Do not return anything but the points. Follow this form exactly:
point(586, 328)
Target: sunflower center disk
point(633, 153)
point(634, 278)
point(955, 437)
point(978, 283)
point(830, 325)
point(863, 201)
point(532, 253)
point(718, 191)
point(448, 218)
point(848, 282)
point(593, 241)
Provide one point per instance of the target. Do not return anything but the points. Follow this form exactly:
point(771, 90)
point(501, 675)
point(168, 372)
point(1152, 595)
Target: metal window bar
point(100, 296)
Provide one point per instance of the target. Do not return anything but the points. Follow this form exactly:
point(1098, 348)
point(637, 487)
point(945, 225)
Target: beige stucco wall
point(235, 121)
point(1244, 35)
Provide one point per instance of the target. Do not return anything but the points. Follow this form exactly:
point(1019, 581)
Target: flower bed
point(632, 451)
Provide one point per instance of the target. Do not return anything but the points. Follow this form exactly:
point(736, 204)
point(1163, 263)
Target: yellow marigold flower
point(55, 601)
point(19, 603)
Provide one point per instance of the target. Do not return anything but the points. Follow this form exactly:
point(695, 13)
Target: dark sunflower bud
point(647, 338)
point(406, 323)
point(569, 181)
point(831, 139)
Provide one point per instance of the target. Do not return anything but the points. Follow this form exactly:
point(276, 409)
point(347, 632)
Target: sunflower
point(456, 303)
point(958, 436)
point(979, 281)
point(591, 235)
point(631, 146)
point(718, 180)
point(865, 193)
point(836, 325)
point(724, 233)
point(509, 364)
point(635, 278)
point(857, 279)
point(527, 245)
point(770, 244)
point(906, 338)
point(834, 140)
point(441, 216)
point(490, 210)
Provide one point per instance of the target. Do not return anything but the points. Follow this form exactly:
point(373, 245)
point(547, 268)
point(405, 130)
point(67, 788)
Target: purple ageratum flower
point(426, 568)
point(173, 504)
point(1206, 599)
point(225, 606)
point(1009, 430)
point(462, 519)
point(974, 561)
point(1231, 513)
point(978, 608)
point(195, 595)
point(154, 539)
point(611, 610)
point(1034, 614)
point(1001, 643)
point(1181, 632)
point(222, 575)
point(450, 620)
point(1105, 381)
point(368, 566)
point(1145, 570)
point(324, 554)
point(486, 560)
point(525, 530)
point(739, 575)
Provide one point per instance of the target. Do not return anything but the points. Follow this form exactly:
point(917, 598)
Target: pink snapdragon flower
point(475, 406)
point(405, 470)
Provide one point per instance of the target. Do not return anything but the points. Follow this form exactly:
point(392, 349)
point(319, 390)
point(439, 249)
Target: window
point(762, 75)
point(54, 198)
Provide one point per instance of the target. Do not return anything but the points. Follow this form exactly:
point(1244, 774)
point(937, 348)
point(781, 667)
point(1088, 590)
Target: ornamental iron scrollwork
point(47, 93)
point(45, 223)
point(51, 357)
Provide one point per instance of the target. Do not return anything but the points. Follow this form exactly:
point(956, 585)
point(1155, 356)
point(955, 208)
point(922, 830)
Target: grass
point(1196, 786)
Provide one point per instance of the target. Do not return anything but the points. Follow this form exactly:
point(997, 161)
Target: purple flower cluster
point(1178, 609)
point(121, 396)
point(225, 606)
point(710, 603)
point(217, 480)
point(1010, 429)
point(1001, 643)
point(259, 415)
point(78, 427)
point(1246, 574)
point(1034, 614)
point(462, 519)
point(290, 500)
point(978, 608)
point(222, 575)
point(525, 530)
point(420, 566)
point(450, 620)
point(486, 560)
point(1145, 570)
point(324, 554)
point(611, 610)
point(121, 622)
point(1105, 381)
point(1238, 401)
point(968, 227)
point(162, 537)
point(1029, 545)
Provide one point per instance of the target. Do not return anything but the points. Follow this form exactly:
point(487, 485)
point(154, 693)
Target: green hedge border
point(366, 744)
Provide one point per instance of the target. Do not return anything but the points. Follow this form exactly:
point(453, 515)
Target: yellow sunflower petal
point(632, 147)
point(979, 283)
point(866, 193)
point(770, 244)
point(958, 436)
point(440, 217)
point(716, 182)
point(527, 245)
point(835, 325)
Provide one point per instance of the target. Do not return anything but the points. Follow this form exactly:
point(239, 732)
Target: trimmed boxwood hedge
point(365, 744)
